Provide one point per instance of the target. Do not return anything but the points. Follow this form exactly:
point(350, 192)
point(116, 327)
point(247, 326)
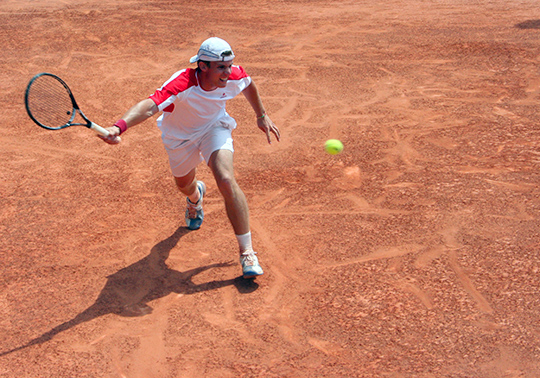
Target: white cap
point(214, 50)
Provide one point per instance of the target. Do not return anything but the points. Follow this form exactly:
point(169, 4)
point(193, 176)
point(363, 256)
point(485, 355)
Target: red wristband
point(122, 125)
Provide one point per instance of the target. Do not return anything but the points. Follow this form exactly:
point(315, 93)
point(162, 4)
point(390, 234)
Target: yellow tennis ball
point(333, 146)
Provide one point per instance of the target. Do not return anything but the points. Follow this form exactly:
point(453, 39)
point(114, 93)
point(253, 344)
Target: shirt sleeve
point(240, 77)
point(173, 88)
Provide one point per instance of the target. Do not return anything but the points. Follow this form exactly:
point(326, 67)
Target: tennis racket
point(50, 104)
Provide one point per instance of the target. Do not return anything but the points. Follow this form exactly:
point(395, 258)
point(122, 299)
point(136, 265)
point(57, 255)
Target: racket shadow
point(128, 291)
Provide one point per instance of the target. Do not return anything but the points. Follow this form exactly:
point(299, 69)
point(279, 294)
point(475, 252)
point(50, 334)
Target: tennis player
point(195, 126)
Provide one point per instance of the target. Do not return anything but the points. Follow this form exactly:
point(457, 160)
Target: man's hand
point(114, 135)
point(267, 126)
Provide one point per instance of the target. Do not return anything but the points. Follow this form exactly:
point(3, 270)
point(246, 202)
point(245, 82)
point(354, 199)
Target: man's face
point(216, 75)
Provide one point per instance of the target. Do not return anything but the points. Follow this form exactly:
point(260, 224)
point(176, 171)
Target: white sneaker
point(250, 264)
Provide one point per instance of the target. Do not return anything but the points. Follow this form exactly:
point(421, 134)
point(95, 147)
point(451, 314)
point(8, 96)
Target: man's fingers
point(115, 139)
point(275, 130)
point(269, 128)
point(111, 139)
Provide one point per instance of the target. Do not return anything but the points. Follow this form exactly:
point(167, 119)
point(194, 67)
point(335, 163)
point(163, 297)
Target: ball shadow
point(529, 24)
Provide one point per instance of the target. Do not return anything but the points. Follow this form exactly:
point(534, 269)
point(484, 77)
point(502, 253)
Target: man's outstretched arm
point(263, 121)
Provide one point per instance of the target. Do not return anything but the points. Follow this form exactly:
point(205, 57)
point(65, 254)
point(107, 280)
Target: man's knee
point(227, 186)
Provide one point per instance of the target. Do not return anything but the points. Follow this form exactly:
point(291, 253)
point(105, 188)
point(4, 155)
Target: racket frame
point(91, 125)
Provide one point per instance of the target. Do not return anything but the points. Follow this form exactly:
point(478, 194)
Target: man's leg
point(221, 164)
point(188, 185)
point(194, 190)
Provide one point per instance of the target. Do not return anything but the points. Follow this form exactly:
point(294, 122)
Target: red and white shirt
point(188, 110)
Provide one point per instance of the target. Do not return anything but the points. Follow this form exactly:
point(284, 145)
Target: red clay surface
point(414, 253)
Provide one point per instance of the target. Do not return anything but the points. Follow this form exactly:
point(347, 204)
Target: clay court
point(414, 253)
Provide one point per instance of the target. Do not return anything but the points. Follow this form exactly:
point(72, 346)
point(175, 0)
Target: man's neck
point(203, 83)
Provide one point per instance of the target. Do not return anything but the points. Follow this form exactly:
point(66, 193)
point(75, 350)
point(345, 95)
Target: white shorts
point(185, 155)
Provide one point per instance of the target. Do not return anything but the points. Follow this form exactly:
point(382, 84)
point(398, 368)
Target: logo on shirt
point(224, 95)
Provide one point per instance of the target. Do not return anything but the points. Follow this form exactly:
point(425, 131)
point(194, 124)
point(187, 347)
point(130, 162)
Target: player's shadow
point(128, 291)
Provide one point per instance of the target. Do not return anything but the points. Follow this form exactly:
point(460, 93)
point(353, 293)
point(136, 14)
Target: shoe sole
point(252, 276)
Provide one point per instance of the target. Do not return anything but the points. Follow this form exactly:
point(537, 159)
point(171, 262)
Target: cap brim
point(206, 58)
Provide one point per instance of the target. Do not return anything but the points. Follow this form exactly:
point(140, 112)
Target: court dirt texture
point(414, 253)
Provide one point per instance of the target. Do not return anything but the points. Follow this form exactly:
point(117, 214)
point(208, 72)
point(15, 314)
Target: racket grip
point(98, 129)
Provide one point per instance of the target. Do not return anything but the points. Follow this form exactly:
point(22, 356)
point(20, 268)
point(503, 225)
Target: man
point(195, 126)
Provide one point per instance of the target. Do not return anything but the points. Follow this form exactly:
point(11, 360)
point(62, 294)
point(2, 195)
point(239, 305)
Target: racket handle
point(98, 129)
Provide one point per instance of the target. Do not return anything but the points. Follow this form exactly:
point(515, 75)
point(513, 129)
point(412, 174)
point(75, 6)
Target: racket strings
point(49, 102)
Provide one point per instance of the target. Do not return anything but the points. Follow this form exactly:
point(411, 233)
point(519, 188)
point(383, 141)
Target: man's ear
point(203, 66)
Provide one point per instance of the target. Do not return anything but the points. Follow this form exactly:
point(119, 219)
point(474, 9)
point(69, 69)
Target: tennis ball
point(333, 146)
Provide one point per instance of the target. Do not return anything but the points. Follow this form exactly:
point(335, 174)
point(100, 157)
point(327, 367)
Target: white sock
point(244, 242)
point(195, 196)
